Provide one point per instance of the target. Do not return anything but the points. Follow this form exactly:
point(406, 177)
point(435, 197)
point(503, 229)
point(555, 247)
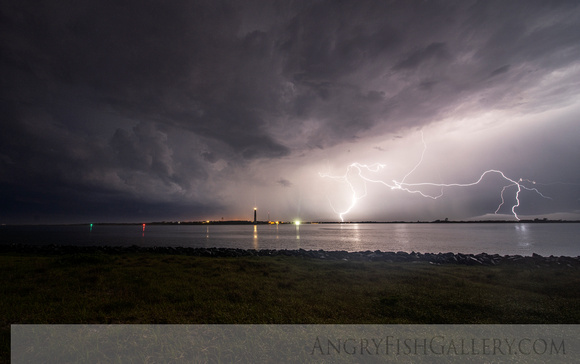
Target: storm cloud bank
point(124, 111)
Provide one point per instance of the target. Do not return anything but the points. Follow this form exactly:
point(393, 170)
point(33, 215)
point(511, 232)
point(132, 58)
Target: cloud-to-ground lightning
point(358, 168)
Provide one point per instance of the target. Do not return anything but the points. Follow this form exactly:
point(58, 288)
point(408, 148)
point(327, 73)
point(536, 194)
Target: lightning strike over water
point(357, 169)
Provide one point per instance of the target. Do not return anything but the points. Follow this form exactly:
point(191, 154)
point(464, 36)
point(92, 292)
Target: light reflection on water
point(255, 242)
point(504, 238)
point(523, 236)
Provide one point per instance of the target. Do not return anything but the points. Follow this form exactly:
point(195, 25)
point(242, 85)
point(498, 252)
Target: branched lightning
point(358, 168)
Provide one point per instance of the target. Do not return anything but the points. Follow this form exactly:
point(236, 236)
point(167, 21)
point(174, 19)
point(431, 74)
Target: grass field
point(159, 289)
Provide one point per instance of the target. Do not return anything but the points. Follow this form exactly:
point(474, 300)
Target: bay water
point(469, 238)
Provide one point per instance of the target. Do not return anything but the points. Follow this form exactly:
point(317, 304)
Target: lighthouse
point(255, 214)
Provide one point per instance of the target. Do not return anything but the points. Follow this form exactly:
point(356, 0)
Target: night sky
point(134, 111)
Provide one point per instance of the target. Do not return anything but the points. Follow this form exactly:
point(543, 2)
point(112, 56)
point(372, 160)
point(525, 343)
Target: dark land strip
point(55, 284)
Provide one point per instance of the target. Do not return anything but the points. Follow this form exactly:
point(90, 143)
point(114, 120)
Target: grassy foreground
point(158, 289)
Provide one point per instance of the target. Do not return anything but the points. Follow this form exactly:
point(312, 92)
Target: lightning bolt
point(414, 188)
point(355, 196)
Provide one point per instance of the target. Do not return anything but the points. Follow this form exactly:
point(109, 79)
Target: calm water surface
point(522, 238)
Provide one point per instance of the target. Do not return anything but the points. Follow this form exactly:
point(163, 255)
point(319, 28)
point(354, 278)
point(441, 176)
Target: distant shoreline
point(242, 222)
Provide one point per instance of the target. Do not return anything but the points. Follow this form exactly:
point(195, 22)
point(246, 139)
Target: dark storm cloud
point(152, 102)
point(284, 182)
point(499, 71)
point(432, 51)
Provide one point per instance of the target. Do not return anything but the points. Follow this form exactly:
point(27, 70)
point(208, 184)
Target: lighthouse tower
point(255, 214)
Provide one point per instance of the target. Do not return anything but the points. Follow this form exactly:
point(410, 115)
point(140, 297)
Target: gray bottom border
point(295, 343)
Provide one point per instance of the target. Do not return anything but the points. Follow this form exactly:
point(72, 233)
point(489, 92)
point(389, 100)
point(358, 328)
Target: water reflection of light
point(356, 235)
point(207, 232)
point(401, 236)
point(298, 231)
point(255, 237)
point(523, 235)
point(356, 238)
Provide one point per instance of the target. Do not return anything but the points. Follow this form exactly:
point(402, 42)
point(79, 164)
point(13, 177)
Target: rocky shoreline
point(482, 259)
